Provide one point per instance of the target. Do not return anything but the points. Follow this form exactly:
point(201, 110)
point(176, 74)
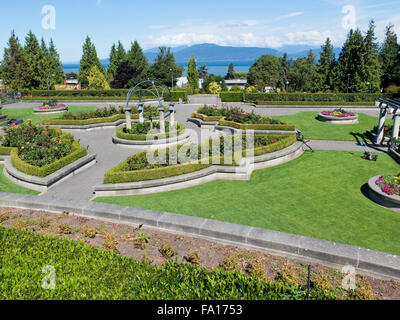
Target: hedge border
point(116, 175)
point(126, 136)
point(60, 122)
point(222, 122)
point(77, 152)
point(313, 103)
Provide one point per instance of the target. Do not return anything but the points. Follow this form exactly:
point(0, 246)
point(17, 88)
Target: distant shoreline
point(219, 68)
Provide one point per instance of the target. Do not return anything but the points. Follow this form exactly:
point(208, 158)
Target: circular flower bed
point(338, 116)
point(51, 107)
point(389, 185)
point(38, 146)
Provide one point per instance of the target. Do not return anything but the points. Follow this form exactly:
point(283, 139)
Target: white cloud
point(158, 27)
point(290, 15)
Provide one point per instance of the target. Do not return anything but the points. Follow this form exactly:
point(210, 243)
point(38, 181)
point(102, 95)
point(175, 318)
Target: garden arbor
point(385, 106)
point(156, 90)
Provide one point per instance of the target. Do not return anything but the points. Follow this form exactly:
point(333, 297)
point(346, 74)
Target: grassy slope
point(8, 186)
point(318, 195)
point(27, 113)
point(318, 130)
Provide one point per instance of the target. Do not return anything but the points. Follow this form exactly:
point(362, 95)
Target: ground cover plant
point(83, 270)
point(323, 198)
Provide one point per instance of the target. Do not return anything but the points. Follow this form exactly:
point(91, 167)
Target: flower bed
point(390, 185)
point(140, 131)
point(40, 151)
point(138, 168)
point(51, 107)
point(239, 119)
point(338, 116)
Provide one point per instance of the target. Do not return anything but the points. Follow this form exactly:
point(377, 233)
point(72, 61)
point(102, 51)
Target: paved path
point(81, 186)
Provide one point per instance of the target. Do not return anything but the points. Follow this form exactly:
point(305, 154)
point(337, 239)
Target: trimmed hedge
point(118, 174)
point(313, 97)
point(222, 122)
point(232, 96)
point(126, 136)
point(312, 103)
point(241, 126)
point(77, 153)
point(206, 118)
point(61, 122)
point(118, 94)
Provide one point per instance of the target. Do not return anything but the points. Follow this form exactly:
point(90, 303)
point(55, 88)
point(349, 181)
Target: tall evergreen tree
point(38, 64)
point(326, 64)
point(56, 66)
point(373, 67)
point(117, 56)
point(264, 71)
point(88, 60)
point(305, 76)
point(350, 69)
point(97, 80)
point(124, 74)
point(231, 72)
point(14, 69)
point(138, 61)
point(203, 71)
point(390, 59)
point(193, 74)
point(165, 69)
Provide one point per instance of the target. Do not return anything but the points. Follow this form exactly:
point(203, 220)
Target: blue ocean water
point(217, 68)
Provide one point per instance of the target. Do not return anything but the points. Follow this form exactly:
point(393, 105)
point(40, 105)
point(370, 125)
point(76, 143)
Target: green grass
point(27, 113)
point(8, 186)
point(318, 130)
point(318, 195)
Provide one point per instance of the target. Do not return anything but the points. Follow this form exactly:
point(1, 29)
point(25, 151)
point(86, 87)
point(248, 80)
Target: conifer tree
point(390, 59)
point(193, 74)
point(55, 63)
point(37, 62)
point(165, 69)
point(117, 56)
point(88, 60)
point(326, 64)
point(373, 67)
point(14, 69)
point(231, 72)
point(97, 80)
point(137, 60)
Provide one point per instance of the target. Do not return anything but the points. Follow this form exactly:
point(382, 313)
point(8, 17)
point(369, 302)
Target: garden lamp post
point(140, 110)
point(287, 86)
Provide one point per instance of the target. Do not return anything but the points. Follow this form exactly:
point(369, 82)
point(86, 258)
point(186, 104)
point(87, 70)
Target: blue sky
point(262, 23)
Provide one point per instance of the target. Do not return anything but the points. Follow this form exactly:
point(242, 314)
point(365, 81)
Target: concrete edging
point(44, 184)
point(181, 139)
point(300, 246)
point(212, 173)
point(395, 155)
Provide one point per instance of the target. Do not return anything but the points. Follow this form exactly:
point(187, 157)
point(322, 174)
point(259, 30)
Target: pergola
point(385, 106)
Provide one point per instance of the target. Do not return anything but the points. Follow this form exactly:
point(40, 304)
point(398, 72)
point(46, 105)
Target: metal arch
point(154, 86)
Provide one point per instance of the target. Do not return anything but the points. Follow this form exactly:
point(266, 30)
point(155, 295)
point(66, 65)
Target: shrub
point(167, 251)
point(4, 216)
point(89, 232)
point(194, 257)
point(111, 243)
point(232, 96)
point(140, 131)
point(44, 222)
point(141, 240)
point(64, 228)
point(288, 275)
point(20, 224)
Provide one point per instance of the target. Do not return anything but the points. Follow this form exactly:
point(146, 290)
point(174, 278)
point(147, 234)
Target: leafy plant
point(167, 250)
point(111, 242)
point(141, 240)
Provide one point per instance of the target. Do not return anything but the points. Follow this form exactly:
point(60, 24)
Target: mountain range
point(206, 53)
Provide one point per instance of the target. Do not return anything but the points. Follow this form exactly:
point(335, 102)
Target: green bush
point(61, 122)
point(312, 103)
point(279, 127)
point(84, 272)
point(117, 94)
point(232, 96)
point(129, 136)
point(313, 97)
point(206, 118)
point(136, 168)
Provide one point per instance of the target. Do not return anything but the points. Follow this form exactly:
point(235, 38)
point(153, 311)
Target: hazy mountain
point(214, 53)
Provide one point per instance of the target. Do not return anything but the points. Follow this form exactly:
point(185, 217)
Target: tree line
point(362, 66)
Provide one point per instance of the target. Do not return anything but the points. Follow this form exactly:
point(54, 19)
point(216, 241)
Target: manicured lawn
point(318, 195)
point(8, 186)
point(27, 113)
point(318, 130)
